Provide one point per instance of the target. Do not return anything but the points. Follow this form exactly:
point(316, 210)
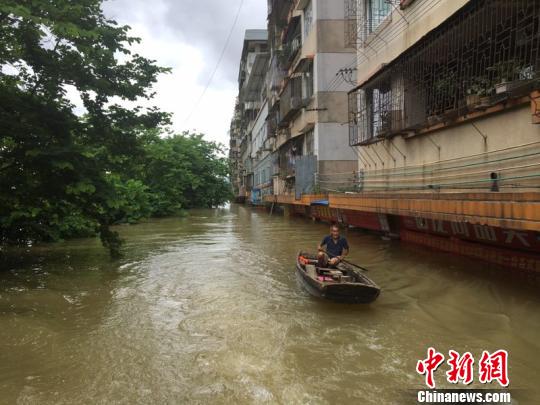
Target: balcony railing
point(292, 42)
point(351, 23)
point(485, 54)
point(290, 50)
point(291, 99)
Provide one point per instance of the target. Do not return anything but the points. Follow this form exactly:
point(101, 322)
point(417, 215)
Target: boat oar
point(346, 261)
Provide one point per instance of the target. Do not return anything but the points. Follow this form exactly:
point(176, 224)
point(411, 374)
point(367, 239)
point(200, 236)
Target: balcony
point(275, 77)
point(255, 80)
point(272, 124)
point(484, 56)
point(279, 9)
point(291, 100)
point(292, 42)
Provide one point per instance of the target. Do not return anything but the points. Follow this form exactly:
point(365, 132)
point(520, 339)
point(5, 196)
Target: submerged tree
point(185, 171)
point(56, 168)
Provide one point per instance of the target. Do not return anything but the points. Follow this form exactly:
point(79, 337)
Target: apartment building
point(444, 119)
point(307, 107)
point(246, 122)
point(290, 124)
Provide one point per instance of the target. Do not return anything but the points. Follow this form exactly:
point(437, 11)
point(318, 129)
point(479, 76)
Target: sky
point(188, 36)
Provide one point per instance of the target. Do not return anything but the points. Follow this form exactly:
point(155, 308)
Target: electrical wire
point(339, 77)
point(220, 59)
point(395, 30)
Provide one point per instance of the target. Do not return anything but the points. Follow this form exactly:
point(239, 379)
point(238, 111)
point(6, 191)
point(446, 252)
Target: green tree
point(185, 171)
point(55, 167)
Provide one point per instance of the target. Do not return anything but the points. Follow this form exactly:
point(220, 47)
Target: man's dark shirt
point(334, 248)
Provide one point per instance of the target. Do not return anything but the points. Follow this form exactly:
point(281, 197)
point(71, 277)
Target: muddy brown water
point(207, 309)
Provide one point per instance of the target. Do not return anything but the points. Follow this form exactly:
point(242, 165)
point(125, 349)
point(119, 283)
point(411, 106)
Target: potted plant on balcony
point(437, 94)
point(510, 74)
point(433, 119)
point(477, 94)
point(445, 91)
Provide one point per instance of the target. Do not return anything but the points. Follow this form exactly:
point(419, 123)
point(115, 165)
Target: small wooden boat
point(342, 284)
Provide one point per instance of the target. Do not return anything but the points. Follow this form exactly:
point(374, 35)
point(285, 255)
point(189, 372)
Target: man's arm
point(321, 248)
point(345, 250)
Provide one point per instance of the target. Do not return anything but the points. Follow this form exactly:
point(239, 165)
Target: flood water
point(207, 309)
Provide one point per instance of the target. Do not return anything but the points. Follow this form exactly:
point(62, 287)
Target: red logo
point(461, 368)
point(494, 367)
point(491, 367)
point(429, 365)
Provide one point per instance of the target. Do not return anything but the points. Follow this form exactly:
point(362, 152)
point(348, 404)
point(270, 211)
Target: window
point(376, 12)
point(308, 19)
point(351, 23)
point(308, 82)
point(377, 110)
point(310, 143)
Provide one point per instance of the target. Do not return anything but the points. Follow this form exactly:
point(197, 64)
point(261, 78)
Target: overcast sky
point(188, 36)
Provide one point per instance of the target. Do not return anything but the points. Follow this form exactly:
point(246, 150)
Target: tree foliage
point(64, 174)
point(185, 171)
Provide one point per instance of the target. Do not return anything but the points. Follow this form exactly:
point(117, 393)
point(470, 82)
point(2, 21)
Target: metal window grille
point(362, 17)
point(351, 23)
point(310, 143)
point(485, 54)
point(308, 19)
point(376, 12)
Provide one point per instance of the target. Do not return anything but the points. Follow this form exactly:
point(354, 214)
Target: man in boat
point(332, 249)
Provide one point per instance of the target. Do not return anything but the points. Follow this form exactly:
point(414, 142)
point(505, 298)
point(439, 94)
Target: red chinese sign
point(429, 365)
point(491, 367)
point(494, 367)
point(461, 368)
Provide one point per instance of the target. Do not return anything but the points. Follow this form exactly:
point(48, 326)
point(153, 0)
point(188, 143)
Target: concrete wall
point(329, 9)
point(505, 129)
point(331, 36)
point(333, 107)
point(337, 166)
point(332, 142)
point(326, 36)
point(326, 65)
